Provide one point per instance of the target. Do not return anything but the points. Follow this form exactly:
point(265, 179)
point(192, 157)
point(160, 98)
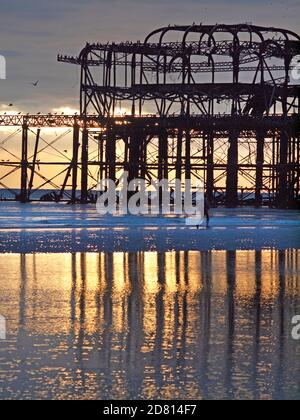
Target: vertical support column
point(84, 166)
point(232, 170)
point(111, 156)
point(179, 154)
point(297, 168)
point(24, 164)
point(292, 178)
point(75, 162)
point(163, 155)
point(144, 157)
point(210, 167)
point(36, 148)
point(162, 161)
point(285, 138)
point(134, 156)
point(188, 155)
point(126, 153)
point(283, 170)
point(133, 82)
point(101, 157)
point(135, 149)
point(273, 170)
point(260, 157)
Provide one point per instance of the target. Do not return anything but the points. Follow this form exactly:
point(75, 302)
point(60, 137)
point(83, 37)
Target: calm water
point(149, 325)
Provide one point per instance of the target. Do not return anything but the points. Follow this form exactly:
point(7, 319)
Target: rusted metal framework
point(224, 109)
point(41, 159)
point(215, 103)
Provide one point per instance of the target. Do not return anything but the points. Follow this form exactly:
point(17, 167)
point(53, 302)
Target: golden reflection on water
point(150, 325)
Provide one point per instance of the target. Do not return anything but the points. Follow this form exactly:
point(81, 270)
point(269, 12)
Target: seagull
point(11, 105)
point(35, 83)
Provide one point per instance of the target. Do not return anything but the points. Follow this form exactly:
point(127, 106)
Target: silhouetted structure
point(210, 102)
point(205, 84)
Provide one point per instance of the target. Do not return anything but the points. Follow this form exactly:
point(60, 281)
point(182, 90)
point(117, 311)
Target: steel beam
point(232, 170)
point(84, 166)
point(260, 167)
point(36, 148)
point(283, 171)
point(76, 133)
point(24, 165)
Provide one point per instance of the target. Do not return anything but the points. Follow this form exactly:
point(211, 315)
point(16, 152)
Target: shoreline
point(52, 228)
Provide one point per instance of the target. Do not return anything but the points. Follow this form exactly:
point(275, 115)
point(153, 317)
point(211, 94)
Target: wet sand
point(172, 325)
point(147, 307)
point(61, 228)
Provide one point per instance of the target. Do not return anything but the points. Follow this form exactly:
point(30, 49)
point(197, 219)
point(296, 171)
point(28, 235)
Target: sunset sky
point(33, 32)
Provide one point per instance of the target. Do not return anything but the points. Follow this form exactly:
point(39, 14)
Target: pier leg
point(75, 162)
point(259, 167)
point(24, 165)
point(36, 148)
point(210, 167)
point(179, 155)
point(188, 155)
point(297, 168)
point(283, 171)
point(144, 158)
point(84, 166)
point(134, 156)
point(126, 153)
point(111, 157)
point(163, 156)
point(232, 170)
point(162, 161)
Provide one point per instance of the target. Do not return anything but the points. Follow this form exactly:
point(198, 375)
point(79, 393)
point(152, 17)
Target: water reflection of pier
point(186, 324)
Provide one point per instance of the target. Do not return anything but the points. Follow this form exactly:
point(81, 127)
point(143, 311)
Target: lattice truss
point(226, 109)
point(211, 102)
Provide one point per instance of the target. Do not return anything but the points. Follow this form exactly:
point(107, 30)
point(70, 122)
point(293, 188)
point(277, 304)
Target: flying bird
point(35, 83)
